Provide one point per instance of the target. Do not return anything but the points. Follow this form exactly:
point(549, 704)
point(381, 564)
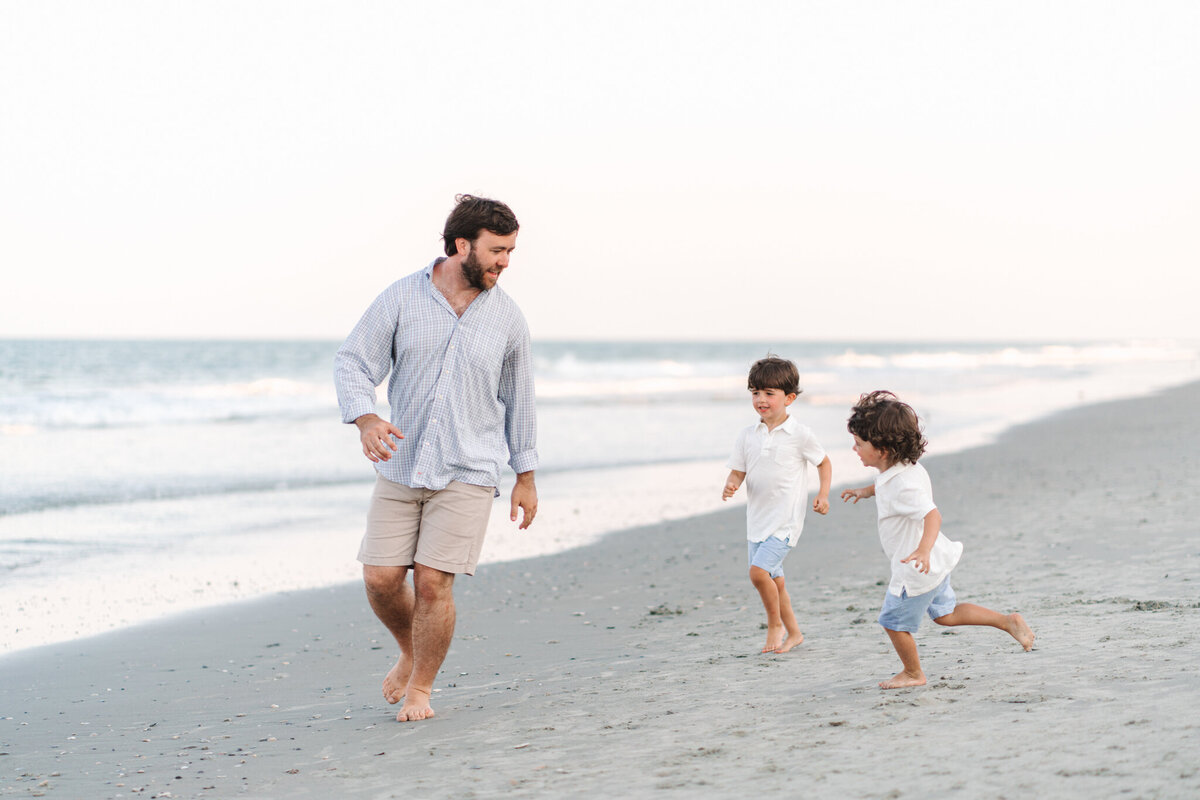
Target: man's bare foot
point(901, 680)
point(416, 706)
point(791, 641)
point(396, 680)
point(1020, 630)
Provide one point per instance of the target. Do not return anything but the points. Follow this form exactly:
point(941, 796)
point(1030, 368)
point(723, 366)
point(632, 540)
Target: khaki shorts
point(442, 529)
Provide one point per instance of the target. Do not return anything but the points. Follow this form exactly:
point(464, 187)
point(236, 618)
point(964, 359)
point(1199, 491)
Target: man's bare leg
point(970, 614)
point(906, 648)
point(769, 593)
point(432, 630)
point(391, 598)
point(788, 616)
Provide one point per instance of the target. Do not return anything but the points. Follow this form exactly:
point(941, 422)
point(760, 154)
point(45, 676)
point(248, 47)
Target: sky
point(681, 170)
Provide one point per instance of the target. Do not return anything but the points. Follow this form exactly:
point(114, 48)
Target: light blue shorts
point(769, 555)
point(903, 613)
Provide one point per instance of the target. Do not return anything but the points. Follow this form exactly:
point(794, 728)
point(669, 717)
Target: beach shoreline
point(630, 665)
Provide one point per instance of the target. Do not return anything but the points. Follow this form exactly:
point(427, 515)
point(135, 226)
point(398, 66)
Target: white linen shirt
point(904, 495)
point(461, 388)
point(776, 466)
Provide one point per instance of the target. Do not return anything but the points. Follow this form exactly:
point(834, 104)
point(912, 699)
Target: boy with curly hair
point(887, 436)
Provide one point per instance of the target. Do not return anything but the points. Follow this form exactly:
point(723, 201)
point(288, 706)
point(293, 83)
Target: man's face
point(486, 258)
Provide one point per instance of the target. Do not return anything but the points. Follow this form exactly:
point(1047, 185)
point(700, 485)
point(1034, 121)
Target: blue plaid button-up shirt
point(461, 389)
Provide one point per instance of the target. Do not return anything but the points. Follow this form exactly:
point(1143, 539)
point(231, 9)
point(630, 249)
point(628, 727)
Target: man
point(461, 397)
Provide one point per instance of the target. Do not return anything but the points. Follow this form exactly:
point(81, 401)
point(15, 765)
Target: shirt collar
point(891, 472)
point(787, 426)
point(429, 276)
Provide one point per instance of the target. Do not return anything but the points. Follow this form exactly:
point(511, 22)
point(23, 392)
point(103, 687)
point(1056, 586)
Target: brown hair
point(474, 214)
point(887, 424)
point(774, 372)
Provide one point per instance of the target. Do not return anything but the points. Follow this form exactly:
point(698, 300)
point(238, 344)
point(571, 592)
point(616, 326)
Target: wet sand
point(631, 667)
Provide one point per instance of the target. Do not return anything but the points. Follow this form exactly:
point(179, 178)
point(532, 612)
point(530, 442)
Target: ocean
point(144, 478)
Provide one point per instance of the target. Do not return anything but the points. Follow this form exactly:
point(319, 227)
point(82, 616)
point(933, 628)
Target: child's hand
point(854, 494)
point(919, 559)
point(821, 504)
point(730, 488)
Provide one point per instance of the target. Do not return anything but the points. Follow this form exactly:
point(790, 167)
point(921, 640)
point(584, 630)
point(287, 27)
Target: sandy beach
point(631, 667)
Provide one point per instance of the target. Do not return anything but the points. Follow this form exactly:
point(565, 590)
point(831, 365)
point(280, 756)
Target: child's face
point(771, 404)
point(870, 455)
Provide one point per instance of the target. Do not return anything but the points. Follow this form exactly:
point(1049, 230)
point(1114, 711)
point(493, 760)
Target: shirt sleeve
point(914, 502)
point(737, 459)
point(812, 450)
point(517, 394)
point(365, 358)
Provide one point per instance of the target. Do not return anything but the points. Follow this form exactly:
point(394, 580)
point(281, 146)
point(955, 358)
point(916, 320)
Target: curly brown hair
point(888, 424)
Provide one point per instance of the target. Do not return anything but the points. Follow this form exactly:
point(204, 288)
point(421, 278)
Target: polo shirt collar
point(788, 426)
point(891, 472)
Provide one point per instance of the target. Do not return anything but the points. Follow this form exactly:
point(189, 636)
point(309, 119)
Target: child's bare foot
point(901, 680)
point(791, 641)
point(416, 706)
point(397, 679)
point(1020, 630)
point(774, 639)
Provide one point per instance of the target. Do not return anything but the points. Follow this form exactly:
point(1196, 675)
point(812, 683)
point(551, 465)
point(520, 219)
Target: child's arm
point(732, 483)
point(858, 494)
point(825, 472)
point(920, 556)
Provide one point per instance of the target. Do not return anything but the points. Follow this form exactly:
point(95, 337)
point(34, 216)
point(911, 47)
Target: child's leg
point(788, 616)
point(769, 593)
point(906, 648)
point(971, 614)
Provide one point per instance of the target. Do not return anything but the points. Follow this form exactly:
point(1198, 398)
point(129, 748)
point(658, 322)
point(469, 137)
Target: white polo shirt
point(904, 495)
point(776, 466)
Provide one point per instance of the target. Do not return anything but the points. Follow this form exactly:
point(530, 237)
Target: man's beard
point(473, 272)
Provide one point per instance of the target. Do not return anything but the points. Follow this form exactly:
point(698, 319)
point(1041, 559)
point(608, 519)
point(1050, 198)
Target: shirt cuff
point(356, 410)
point(525, 461)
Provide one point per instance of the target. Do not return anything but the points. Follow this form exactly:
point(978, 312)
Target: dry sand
point(631, 667)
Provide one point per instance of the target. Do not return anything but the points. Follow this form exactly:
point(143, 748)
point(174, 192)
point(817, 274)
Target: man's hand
point(524, 496)
point(376, 434)
point(821, 504)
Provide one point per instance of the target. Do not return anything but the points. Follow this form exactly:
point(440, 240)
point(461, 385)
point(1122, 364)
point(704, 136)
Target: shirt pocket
point(786, 457)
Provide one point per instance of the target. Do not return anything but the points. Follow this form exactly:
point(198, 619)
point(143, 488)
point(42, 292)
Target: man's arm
point(365, 358)
point(520, 425)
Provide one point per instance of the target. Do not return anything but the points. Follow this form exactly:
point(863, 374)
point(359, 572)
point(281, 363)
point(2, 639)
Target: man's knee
point(432, 584)
point(383, 580)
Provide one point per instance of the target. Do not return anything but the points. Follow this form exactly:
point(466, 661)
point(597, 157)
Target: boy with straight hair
point(772, 457)
point(887, 436)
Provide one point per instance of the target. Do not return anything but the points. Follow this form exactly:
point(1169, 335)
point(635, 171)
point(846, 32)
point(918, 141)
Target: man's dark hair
point(887, 424)
point(474, 214)
point(774, 372)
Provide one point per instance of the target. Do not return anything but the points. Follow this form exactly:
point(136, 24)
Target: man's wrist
point(364, 419)
point(525, 477)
